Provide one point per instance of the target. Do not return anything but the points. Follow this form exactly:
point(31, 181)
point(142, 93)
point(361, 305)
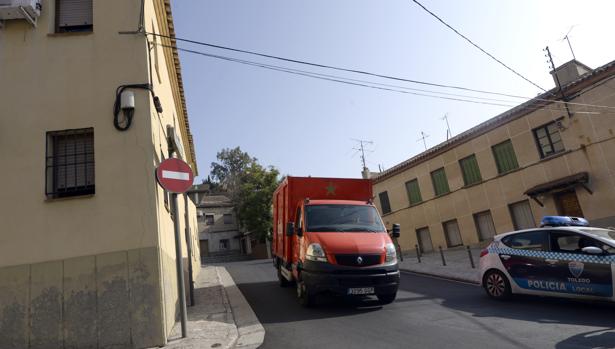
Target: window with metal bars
point(69, 168)
point(440, 182)
point(505, 158)
point(470, 170)
point(384, 202)
point(414, 192)
point(548, 139)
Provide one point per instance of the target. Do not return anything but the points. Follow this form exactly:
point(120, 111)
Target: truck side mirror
point(299, 231)
point(396, 230)
point(290, 228)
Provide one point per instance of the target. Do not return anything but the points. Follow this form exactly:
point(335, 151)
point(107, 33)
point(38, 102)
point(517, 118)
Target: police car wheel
point(496, 285)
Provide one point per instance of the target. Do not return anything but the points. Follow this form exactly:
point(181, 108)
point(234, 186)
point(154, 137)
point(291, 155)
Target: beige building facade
point(87, 254)
point(543, 157)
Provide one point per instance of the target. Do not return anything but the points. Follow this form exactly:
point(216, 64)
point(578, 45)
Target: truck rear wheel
point(305, 297)
point(386, 298)
point(282, 280)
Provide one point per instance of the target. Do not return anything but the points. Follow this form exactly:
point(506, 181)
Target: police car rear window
point(535, 240)
point(604, 233)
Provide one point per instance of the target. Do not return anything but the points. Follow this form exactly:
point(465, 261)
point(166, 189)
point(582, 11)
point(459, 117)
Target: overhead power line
point(301, 72)
point(330, 66)
point(475, 45)
point(367, 84)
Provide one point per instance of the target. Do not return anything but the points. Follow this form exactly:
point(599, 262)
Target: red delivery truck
point(329, 237)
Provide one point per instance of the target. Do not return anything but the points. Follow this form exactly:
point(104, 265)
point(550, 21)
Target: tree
point(254, 206)
point(232, 163)
point(250, 187)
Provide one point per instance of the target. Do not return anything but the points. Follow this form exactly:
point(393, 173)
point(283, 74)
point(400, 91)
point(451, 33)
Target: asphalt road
point(428, 313)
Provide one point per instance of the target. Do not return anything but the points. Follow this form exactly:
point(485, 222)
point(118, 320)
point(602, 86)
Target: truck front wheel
point(386, 298)
point(305, 297)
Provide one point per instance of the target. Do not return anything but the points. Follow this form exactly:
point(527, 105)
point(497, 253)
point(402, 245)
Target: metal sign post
point(176, 176)
point(180, 268)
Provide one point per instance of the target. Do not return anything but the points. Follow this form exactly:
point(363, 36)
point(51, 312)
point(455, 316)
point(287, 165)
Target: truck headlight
point(391, 254)
point(315, 253)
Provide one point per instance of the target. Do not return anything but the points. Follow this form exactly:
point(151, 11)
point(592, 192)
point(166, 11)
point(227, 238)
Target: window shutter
point(414, 192)
point(470, 170)
point(505, 157)
point(440, 183)
point(74, 13)
point(384, 202)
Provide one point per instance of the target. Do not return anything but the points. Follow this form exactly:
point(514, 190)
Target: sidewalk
point(221, 317)
point(457, 267)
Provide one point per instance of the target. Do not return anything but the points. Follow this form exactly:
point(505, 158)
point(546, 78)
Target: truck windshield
point(343, 218)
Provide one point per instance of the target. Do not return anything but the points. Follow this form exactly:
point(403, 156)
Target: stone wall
point(108, 300)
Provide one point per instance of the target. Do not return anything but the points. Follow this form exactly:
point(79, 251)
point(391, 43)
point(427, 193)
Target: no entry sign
point(174, 175)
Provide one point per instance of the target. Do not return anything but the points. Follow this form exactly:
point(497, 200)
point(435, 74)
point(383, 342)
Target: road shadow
point(472, 300)
point(274, 304)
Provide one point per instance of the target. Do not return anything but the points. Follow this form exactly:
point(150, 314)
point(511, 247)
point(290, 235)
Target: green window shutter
point(505, 158)
point(440, 183)
point(384, 202)
point(470, 170)
point(414, 192)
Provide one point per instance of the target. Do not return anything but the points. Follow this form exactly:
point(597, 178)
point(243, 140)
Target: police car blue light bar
point(563, 221)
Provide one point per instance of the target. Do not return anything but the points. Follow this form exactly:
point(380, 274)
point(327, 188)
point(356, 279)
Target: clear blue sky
point(305, 126)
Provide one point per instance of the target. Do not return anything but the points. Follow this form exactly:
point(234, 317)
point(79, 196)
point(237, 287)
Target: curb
point(251, 331)
point(440, 276)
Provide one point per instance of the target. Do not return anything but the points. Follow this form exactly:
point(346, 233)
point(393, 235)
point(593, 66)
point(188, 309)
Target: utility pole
point(449, 133)
point(362, 149)
point(559, 85)
point(423, 137)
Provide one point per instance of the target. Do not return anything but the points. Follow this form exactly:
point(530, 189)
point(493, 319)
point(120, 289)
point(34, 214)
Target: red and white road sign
point(174, 175)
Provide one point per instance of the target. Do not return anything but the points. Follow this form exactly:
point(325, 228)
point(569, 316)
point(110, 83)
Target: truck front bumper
point(320, 277)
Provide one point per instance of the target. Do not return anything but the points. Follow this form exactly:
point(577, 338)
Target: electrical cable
point(331, 67)
point(124, 125)
point(475, 45)
point(361, 72)
point(367, 84)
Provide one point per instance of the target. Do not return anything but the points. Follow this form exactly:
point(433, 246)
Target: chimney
point(365, 173)
point(569, 72)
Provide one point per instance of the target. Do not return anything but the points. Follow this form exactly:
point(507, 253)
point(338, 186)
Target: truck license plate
point(361, 290)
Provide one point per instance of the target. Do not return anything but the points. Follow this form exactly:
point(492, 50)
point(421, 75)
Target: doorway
point(567, 204)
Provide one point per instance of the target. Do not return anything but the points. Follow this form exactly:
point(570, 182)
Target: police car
point(564, 257)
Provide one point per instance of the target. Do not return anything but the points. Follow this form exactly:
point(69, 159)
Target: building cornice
point(165, 23)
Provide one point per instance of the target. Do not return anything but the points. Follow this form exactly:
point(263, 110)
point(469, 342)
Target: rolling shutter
point(522, 217)
point(72, 13)
point(484, 224)
point(453, 236)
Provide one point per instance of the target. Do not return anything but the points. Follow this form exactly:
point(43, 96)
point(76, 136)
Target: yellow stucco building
point(543, 157)
point(87, 254)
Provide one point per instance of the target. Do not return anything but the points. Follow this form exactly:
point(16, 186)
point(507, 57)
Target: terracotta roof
point(497, 121)
point(188, 135)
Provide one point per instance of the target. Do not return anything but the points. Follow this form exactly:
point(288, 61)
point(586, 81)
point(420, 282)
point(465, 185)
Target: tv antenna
point(423, 137)
point(567, 38)
point(361, 148)
point(449, 133)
